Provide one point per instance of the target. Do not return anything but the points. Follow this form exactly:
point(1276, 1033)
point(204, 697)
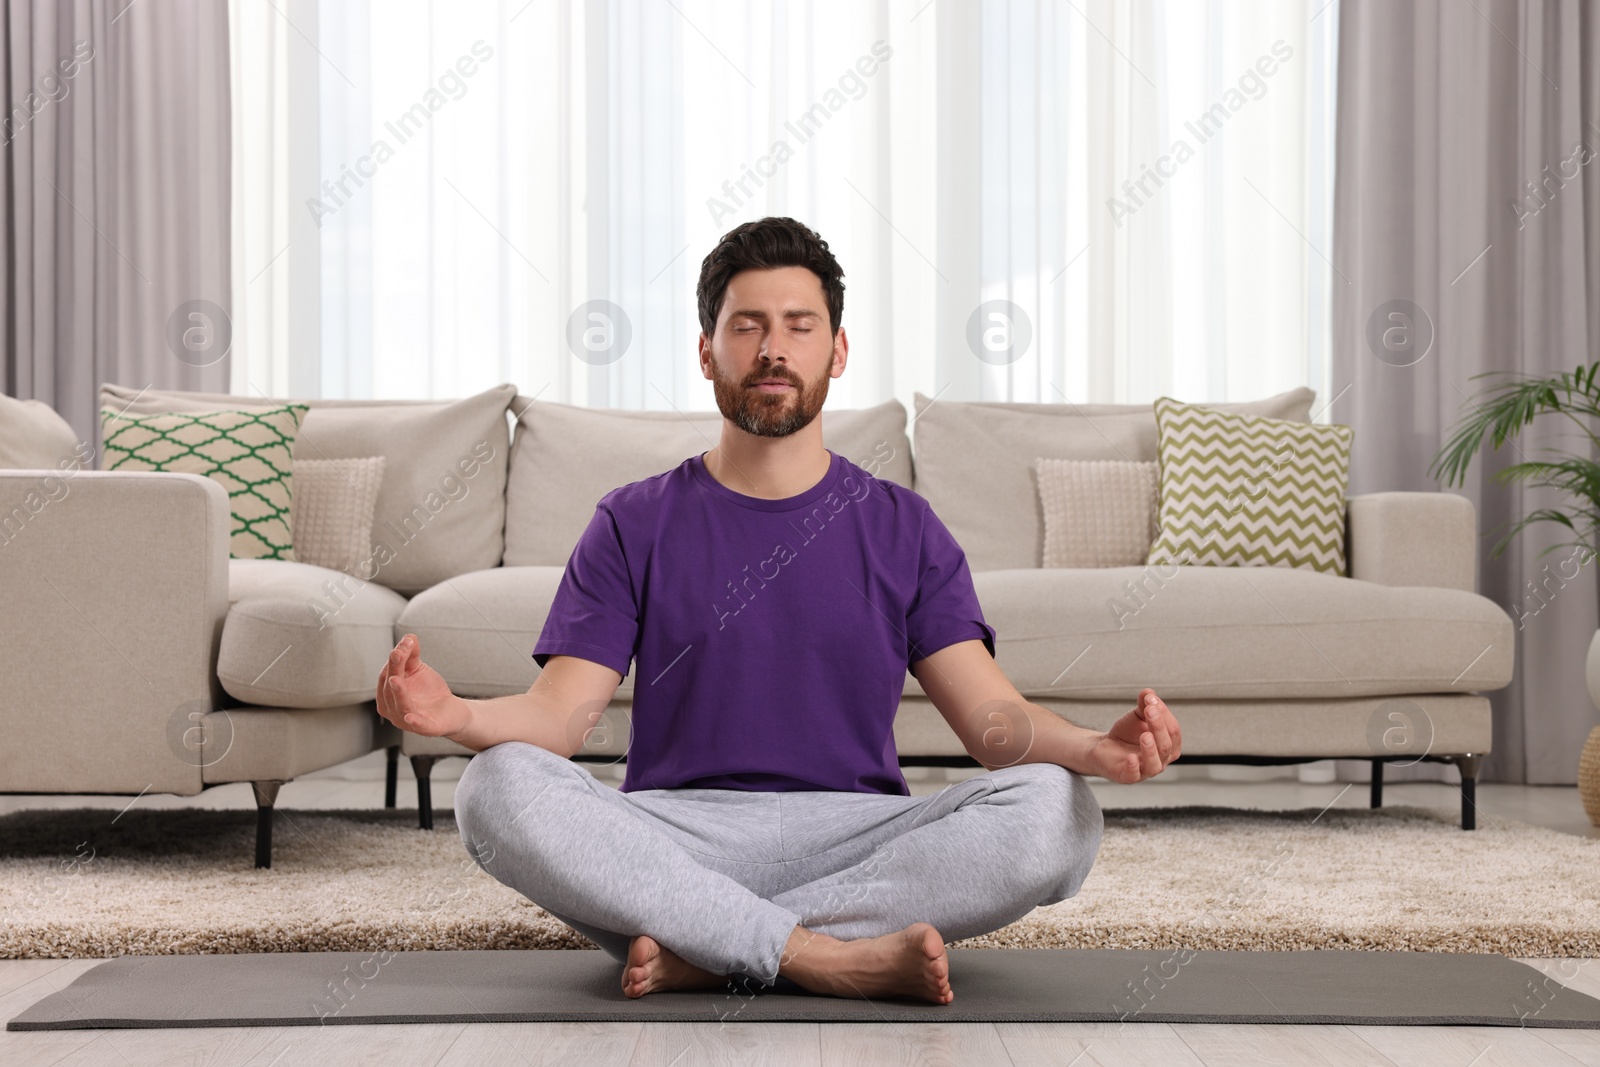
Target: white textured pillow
point(331, 513)
point(1097, 512)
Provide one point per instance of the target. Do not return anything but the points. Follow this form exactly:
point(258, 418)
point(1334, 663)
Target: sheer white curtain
point(276, 250)
point(1147, 184)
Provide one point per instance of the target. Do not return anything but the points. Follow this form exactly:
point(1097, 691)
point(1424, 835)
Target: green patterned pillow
point(1248, 491)
point(247, 452)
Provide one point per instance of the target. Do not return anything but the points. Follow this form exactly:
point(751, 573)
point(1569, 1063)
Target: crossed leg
point(826, 889)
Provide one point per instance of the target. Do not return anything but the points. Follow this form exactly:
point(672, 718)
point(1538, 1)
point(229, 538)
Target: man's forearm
point(519, 717)
point(1028, 733)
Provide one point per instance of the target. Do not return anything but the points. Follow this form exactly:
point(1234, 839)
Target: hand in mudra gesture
point(414, 697)
point(1141, 743)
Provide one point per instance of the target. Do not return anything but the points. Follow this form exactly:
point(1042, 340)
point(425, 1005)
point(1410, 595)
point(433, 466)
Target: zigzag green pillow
point(248, 452)
point(1247, 491)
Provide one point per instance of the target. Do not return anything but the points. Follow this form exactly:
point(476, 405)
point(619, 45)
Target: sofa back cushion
point(441, 502)
point(34, 437)
point(975, 461)
point(564, 458)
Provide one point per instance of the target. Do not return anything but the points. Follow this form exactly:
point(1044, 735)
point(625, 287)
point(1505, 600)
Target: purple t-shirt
point(770, 638)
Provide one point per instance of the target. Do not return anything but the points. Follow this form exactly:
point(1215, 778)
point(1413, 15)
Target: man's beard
point(769, 414)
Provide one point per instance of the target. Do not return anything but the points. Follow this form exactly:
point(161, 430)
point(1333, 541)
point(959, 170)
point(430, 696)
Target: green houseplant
point(1505, 410)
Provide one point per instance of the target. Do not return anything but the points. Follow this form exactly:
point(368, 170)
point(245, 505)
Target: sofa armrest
point(116, 587)
point(1413, 538)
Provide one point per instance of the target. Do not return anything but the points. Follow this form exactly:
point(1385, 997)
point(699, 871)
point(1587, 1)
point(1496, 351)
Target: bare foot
point(653, 968)
point(907, 963)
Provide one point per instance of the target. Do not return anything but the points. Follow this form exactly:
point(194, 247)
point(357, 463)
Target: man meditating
point(770, 596)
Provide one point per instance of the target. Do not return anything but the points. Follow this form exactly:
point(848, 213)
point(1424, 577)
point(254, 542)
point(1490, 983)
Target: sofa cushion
point(565, 458)
point(244, 451)
point(1203, 632)
point(34, 437)
point(477, 630)
point(334, 502)
point(1097, 512)
point(974, 461)
point(1247, 491)
point(300, 636)
point(441, 506)
point(1238, 633)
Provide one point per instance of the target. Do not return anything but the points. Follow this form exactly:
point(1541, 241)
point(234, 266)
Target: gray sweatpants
point(722, 876)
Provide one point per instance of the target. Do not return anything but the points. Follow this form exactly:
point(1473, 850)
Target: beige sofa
point(144, 659)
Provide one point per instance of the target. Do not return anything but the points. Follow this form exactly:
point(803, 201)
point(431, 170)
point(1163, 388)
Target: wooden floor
point(684, 1044)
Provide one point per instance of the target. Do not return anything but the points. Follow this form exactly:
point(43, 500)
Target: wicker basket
point(1589, 776)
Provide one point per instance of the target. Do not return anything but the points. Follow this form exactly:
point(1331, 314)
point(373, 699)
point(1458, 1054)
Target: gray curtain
point(1464, 188)
point(114, 199)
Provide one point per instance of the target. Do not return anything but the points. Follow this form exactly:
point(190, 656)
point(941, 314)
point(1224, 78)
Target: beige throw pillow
point(332, 513)
point(1097, 512)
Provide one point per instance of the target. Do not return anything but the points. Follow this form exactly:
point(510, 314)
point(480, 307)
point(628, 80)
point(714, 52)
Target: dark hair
point(763, 245)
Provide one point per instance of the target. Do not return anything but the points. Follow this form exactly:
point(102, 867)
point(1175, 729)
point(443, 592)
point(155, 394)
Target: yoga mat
point(991, 985)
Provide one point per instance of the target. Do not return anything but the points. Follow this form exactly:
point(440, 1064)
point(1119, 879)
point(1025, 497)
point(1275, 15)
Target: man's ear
point(841, 353)
point(705, 358)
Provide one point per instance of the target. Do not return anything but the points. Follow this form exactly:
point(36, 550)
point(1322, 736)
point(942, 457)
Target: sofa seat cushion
point(1238, 633)
point(478, 630)
point(302, 636)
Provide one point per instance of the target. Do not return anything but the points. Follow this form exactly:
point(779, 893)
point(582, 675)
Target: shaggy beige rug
point(73, 883)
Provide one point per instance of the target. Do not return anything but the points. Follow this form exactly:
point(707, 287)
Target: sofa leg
point(1468, 765)
point(266, 796)
point(422, 767)
point(1377, 783)
point(391, 776)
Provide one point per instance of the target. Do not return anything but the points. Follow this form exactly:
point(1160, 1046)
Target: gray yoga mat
point(991, 985)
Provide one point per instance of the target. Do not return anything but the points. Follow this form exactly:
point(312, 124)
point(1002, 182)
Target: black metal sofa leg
point(1469, 789)
point(391, 776)
point(1377, 783)
point(422, 767)
point(266, 796)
